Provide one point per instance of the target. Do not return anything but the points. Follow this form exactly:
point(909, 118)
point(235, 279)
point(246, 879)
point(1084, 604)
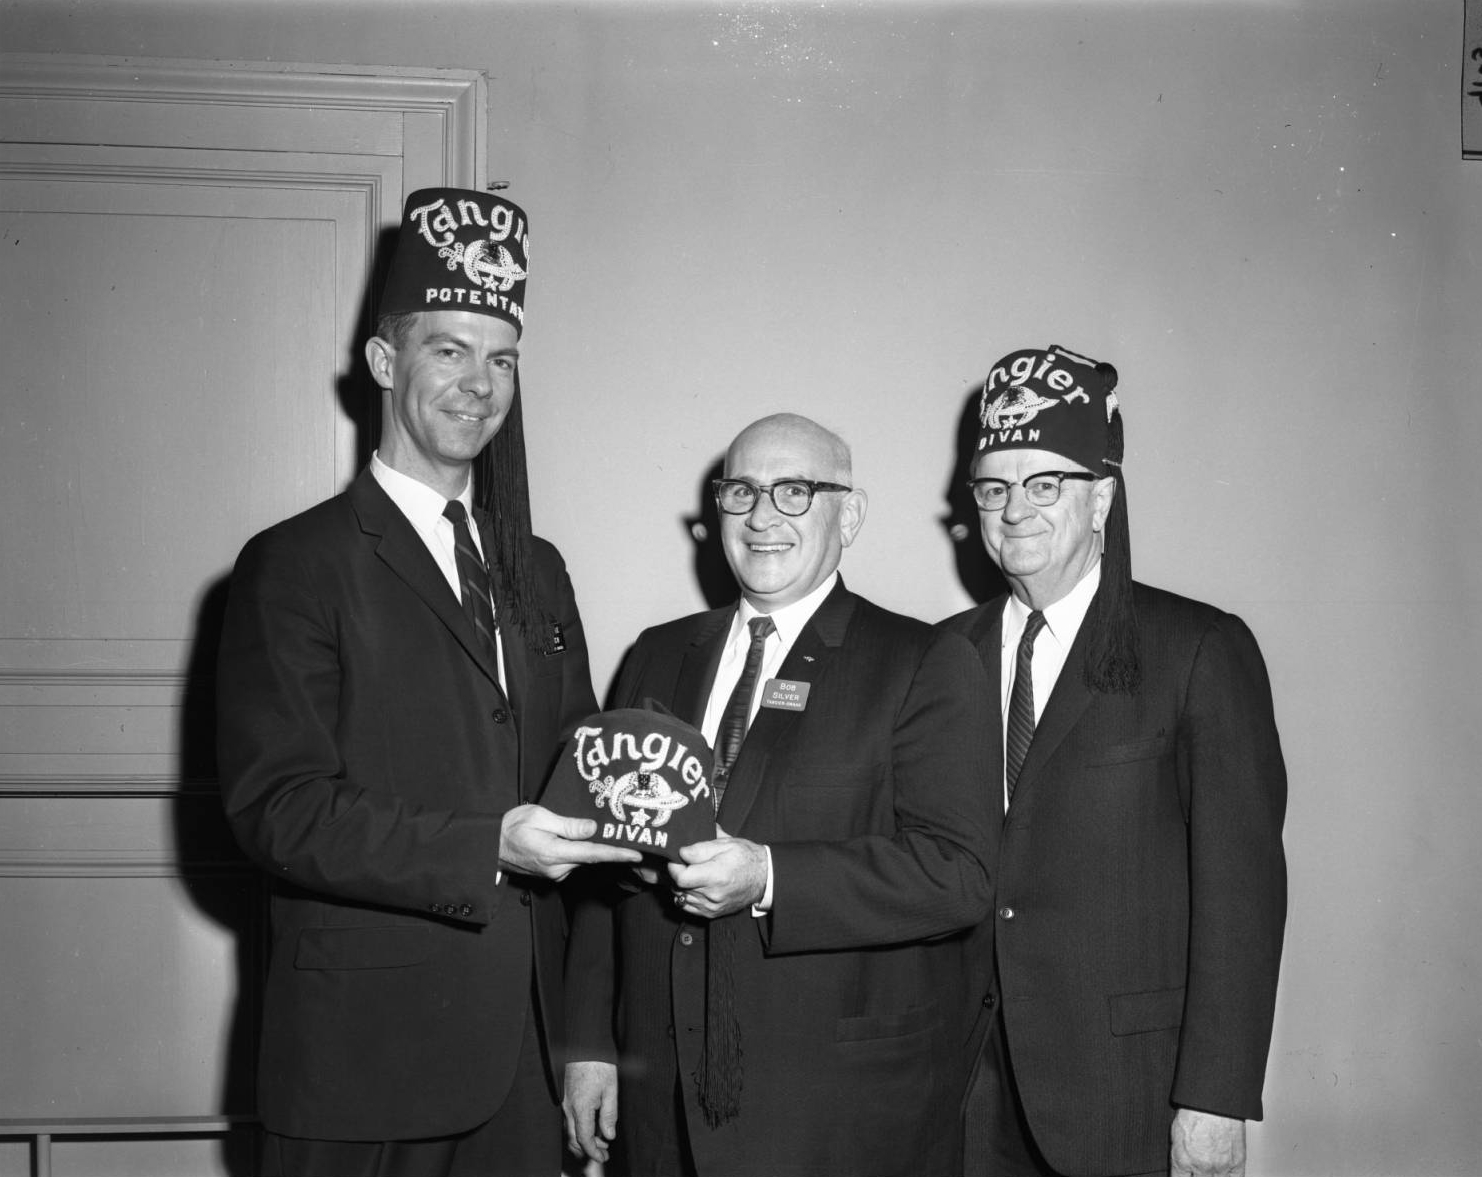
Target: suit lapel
point(401, 549)
point(808, 661)
point(698, 665)
point(987, 635)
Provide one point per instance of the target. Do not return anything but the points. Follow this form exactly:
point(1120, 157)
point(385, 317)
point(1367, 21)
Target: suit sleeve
point(927, 871)
point(1232, 775)
point(285, 786)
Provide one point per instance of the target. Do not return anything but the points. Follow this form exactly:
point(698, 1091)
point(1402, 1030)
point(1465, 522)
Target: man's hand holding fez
point(648, 777)
point(636, 778)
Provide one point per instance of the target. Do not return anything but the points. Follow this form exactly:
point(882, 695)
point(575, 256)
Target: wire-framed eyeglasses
point(791, 496)
point(1042, 489)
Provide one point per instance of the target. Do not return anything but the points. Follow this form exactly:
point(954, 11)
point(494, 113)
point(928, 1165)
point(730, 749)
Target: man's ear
point(852, 515)
point(379, 354)
point(1104, 493)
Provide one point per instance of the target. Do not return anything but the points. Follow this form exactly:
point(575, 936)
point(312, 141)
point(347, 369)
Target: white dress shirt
point(789, 622)
point(1051, 645)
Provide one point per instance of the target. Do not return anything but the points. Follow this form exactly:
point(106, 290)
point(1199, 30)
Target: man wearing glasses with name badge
point(791, 999)
point(1141, 883)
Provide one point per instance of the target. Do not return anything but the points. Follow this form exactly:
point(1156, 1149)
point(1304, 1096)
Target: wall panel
point(188, 252)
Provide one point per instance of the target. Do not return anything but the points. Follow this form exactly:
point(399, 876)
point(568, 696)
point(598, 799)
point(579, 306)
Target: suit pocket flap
point(1137, 750)
point(1140, 1013)
point(360, 948)
point(885, 1025)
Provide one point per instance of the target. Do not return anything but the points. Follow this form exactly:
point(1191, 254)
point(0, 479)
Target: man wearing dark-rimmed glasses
point(1128, 972)
point(792, 1000)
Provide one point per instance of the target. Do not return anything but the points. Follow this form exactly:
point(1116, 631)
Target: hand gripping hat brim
point(459, 250)
point(642, 775)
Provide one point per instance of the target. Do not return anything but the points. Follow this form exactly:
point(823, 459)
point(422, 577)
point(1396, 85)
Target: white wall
point(1258, 211)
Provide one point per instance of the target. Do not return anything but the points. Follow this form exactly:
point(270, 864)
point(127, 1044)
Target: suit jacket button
point(466, 909)
point(988, 1001)
point(500, 715)
point(451, 909)
point(524, 898)
point(686, 938)
point(1005, 913)
point(435, 909)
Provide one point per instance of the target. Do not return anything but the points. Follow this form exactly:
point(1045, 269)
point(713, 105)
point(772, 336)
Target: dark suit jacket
point(367, 759)
point(851, 994)
point(1141, 889)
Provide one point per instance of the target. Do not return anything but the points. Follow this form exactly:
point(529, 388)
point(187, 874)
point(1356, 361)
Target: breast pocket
point(1133, 751)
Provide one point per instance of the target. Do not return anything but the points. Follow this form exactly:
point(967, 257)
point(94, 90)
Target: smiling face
point(1043, 551)
point(445, 393)
point(779, 559)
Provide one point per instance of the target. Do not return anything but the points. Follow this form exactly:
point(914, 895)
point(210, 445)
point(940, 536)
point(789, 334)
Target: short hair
point(395, 327)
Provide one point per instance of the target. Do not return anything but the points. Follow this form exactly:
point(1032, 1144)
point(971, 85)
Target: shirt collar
point(790, 619)
point(1063, 618)
point(418, 501)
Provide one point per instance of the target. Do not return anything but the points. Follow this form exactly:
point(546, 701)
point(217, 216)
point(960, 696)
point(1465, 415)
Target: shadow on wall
point(712, 573)
point(359, 395)
point(976, 572)
point(219, 879)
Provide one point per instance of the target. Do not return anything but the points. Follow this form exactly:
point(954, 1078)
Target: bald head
point(788, 430)
point(779, 559)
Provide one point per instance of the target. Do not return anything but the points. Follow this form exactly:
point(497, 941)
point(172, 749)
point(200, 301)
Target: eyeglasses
point(791, 496)
point(1042, 490)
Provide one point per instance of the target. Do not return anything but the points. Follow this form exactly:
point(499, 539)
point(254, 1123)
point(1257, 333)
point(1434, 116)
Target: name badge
point(789, 695)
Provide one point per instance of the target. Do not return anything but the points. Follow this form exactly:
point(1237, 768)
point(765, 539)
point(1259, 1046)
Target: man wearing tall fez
point(1142, 884)
point(791, 999)
point(397, 670)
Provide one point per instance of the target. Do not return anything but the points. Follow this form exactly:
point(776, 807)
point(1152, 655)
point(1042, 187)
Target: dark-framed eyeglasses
point(791, 496)
point(1042, 489)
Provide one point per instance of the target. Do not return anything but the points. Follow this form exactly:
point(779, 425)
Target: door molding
point(448, 107)
point(110, 818)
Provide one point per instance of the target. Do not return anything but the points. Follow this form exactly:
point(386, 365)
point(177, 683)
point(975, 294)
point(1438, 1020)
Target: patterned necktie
point(473, 580)
point(737, 714)
point(1021, 704)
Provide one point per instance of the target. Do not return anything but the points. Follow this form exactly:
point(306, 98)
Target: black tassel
point(502, 488)
point(719, 1077)
point(1113, 661)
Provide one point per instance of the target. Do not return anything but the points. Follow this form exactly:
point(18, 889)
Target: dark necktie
point(1021, 705)
point(473, 580)
point(737, 715)
point(719, 1073)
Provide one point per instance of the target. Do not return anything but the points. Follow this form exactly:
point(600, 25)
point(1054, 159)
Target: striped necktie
point(1021, 705)
point(473, 580)
point(737, 715)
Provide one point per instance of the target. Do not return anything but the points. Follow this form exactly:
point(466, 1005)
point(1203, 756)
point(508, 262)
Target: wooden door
point(187, 249)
